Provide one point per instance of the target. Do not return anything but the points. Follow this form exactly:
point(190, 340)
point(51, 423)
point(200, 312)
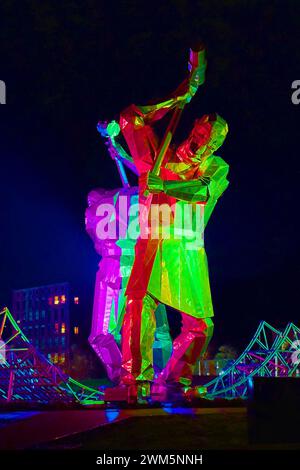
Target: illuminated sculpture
point(170, 269)
point(117, 256)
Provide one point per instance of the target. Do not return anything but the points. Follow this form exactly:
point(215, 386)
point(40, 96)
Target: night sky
point(68, 64)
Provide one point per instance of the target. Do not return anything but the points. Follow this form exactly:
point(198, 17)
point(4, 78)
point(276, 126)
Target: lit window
point(62, 358)
point(56, 300)
point(62, 299)
point(76, 300)
point(76, 330)
point(55, 358)
point(63, 328)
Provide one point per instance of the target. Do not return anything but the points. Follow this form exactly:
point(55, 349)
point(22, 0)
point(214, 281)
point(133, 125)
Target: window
point(62, 299)
point(50, 301)
point(56, 300)
point(76, 300)
point(76, 330)
point(63, 328)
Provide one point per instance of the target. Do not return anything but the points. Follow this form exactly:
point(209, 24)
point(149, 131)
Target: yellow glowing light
point(76, 330)
point(56, 300)
point(62, 299)
point(63, 328)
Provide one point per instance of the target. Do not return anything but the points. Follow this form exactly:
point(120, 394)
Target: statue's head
point(207, 135)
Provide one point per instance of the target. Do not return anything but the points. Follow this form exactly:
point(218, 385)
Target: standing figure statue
point(117, 256)
point(169, 269)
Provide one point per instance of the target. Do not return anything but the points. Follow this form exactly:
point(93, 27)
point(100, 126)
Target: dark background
point(68, 64)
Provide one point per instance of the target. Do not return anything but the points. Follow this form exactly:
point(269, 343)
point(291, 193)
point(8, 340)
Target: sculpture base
point(153, 393)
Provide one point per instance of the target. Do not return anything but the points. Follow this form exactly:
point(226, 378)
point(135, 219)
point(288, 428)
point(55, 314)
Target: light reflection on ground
point(13, 416)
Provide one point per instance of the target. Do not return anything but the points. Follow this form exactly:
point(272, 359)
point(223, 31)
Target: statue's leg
point(101, 338)
point(187, 348)
point(163, 341)
point(137, 339)
point(162, 347)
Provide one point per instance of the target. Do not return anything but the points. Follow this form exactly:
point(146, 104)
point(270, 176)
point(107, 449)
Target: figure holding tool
point(166, 270)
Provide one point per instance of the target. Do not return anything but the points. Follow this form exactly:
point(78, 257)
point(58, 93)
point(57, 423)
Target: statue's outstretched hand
point(197, 78)
point(190, 86)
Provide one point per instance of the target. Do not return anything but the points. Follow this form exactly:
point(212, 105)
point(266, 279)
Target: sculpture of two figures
point(151, 242)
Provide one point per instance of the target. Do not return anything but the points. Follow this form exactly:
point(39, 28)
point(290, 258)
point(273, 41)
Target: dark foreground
point(132, 429)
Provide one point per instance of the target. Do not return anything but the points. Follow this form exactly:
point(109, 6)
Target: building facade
point(49, 316)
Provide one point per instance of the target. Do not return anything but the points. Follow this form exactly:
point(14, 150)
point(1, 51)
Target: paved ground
point(160, 429)
point(29, 429)
point(80, 428)
point(126, 429)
